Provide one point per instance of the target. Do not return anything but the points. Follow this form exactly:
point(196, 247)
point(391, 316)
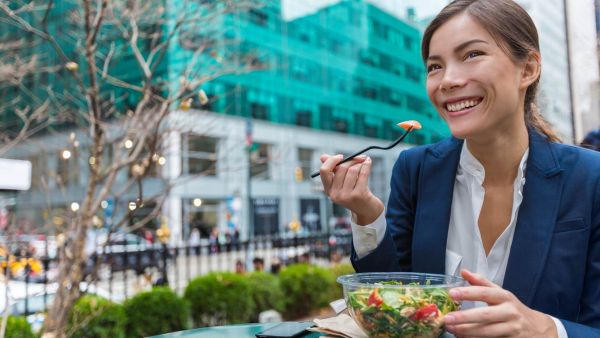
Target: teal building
point(350, 68)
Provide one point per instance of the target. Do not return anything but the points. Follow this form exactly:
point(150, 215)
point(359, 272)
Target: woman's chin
point(460, 132)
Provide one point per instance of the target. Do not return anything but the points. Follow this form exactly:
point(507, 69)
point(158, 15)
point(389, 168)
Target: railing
point(118, 272)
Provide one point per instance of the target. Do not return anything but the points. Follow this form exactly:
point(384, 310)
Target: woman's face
point(476, 88)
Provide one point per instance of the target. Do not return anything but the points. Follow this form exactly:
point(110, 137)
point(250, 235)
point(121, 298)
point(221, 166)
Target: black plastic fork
point(390, 146)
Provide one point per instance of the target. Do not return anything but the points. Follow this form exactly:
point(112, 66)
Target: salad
point(409, 312)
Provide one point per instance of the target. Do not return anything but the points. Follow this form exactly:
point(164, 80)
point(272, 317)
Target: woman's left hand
point(505, 316)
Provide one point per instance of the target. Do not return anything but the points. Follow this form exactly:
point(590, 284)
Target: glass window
point(199, 155)
point(67, 170)
point(416, 104)
point(359, 123)
point(303, 118)
point(326, 117)
point(259, 111)
point(340, 125)
point(139, 214)
point(305, 157)
point(371, 131)
point(200, 214)
point(413, 73)
point(39, 169)
point(260, 161)
point(258, 17)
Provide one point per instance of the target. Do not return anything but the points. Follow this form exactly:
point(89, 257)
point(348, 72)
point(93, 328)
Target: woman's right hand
point(348, 186)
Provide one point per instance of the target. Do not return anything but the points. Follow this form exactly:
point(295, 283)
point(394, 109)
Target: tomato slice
point(409, 124)
point(375, 298)
point(426, 312)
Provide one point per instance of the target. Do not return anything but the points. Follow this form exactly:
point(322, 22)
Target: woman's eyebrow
point(458, 48)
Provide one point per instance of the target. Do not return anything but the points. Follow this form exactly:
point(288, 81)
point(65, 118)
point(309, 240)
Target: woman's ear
point(532, 67)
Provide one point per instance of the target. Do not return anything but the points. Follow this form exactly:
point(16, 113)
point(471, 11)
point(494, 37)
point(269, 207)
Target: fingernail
point(368, 160)
point(449, 319)
point(454, 293)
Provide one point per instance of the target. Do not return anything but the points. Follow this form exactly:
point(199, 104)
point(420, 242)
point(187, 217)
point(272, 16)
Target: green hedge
point(18, 327)
point(96, 317)
point(337, 291)
point(266, 293)
point(154, 312)
point(220, 298)
point(306, 288)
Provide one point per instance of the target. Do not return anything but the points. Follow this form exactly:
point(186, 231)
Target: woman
point(501, 202)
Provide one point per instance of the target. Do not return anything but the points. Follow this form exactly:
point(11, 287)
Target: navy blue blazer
point(554, 262)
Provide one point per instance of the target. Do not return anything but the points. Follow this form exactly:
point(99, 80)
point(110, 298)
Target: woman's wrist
point(369, 213)
point(548, 326)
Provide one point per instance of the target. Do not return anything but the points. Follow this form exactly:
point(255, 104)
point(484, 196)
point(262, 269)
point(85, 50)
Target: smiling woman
point(529, 251)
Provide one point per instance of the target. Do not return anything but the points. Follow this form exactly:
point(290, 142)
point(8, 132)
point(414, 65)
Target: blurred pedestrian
point(276, 266)
point(259, 264)
point(592, 140)
point(240, 267)
point(213, 240)
point(194, 240)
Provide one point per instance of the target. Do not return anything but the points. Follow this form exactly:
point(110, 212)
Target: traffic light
point(299, 174)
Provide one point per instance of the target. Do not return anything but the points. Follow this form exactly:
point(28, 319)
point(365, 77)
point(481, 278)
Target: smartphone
point(286, 330)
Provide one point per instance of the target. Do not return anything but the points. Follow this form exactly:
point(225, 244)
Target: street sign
point(15, 174)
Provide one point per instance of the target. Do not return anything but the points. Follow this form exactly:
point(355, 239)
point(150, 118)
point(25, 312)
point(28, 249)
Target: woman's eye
point(473, 54)
point(433, 67)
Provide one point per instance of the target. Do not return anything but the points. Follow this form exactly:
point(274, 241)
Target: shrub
point(220, 298)
point(306, 288)
point(266, 292)
point(18, 327)
point(154, 312)
point(96, 317)
point(337, 291)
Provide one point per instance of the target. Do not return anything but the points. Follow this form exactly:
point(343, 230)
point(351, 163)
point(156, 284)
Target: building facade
point(334, 80)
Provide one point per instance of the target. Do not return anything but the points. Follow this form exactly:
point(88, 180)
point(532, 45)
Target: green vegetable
point(410, 312)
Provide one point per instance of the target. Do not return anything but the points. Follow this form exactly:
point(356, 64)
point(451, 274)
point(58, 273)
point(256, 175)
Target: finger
point(500, 329)
point(352, 174)
point(489, 295)
point(341, 171)
point(365, 171)
point(324, 158)
point(481, 315)
point(476, 279)
point(326, 170)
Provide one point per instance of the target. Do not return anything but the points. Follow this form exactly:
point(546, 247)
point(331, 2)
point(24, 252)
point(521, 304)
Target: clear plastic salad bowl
point(399, 304)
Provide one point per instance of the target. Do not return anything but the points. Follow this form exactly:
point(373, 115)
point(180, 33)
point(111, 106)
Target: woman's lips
point(463, 107)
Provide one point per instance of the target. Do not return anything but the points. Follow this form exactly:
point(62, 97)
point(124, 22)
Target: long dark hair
point(514, 31)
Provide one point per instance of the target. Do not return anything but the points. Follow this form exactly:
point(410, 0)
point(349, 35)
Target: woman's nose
point(453, 78)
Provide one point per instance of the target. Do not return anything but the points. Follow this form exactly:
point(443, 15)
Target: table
point(237, 331)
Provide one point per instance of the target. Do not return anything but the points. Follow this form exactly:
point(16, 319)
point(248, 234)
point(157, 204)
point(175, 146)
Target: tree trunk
point(72, 259)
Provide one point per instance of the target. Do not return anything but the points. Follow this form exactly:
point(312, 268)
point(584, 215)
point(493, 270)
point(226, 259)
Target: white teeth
point(462, 105)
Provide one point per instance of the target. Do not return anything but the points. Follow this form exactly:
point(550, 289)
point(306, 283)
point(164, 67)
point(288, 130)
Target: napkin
point(341, 325)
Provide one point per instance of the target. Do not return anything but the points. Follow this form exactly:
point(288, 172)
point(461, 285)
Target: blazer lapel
point(436, 186)
point(535, 221)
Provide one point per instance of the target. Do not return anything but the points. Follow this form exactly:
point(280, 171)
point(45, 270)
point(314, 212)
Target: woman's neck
point(500, 154)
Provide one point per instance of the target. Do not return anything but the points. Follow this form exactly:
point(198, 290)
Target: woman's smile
point(461, 106)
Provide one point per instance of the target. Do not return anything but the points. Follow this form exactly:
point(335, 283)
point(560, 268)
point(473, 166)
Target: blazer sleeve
point(588, 322)
point(394, 251)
